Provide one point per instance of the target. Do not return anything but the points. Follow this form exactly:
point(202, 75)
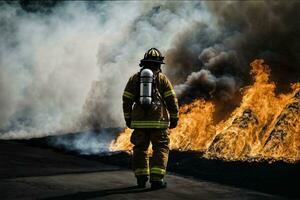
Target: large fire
point(264, 126)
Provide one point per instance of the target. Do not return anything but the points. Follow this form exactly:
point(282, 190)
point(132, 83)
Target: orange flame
point(265, 125)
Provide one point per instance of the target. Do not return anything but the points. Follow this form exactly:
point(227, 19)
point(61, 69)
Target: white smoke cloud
point(50, 61)
point(86, 143)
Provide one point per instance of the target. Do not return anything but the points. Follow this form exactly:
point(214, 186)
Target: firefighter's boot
point(156, 185)
point(141, 181)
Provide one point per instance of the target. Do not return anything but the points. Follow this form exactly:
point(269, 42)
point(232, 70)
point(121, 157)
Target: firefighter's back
point(150, 107)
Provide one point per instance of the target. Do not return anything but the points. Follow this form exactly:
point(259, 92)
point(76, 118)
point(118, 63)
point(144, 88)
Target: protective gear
point(146, 81)
point(155, 185)
point(173, 123)
point(150, 123)
point(141, 139)
point(164, 103)
point(152, 55)
point(142, 180)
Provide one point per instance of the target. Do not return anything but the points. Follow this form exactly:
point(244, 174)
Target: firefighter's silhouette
point(150, 107)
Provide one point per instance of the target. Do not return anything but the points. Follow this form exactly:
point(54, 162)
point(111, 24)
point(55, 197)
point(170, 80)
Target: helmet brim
point(155, 61)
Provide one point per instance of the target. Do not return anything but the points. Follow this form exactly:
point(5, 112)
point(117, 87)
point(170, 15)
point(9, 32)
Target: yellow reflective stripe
point(176, 115)
point(145, 124)
point(169, 93)
point(134, 124)
point(152, 126)
point(128, 95)
point(150, 122)
point(157, 170)
point(141, 171)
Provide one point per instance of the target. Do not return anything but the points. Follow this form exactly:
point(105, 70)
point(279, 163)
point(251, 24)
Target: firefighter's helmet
point(153, 55)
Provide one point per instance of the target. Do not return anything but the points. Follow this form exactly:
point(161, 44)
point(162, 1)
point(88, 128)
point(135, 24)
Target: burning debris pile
point(264, 126)
point(233, 141)
point(284, 137)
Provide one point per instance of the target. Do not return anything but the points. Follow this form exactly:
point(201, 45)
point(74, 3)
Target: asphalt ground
point(30, 171)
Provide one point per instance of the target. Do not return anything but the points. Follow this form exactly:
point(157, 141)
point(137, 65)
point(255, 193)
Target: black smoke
point(211, 59)
point(64, 65)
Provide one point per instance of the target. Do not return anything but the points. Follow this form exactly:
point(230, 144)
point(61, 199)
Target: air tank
point(146, 81)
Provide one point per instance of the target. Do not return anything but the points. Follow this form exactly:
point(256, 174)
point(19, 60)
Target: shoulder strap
point(137, 97)
point(156, 89)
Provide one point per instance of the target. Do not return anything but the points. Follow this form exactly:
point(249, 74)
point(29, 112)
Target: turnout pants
point(159, 139)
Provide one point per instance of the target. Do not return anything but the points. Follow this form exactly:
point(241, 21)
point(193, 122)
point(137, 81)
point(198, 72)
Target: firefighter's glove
point(128, 122)
point(173, 123)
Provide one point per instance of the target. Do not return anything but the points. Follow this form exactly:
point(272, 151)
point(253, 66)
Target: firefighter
point(150, 107)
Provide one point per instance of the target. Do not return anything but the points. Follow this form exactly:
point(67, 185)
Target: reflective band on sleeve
point(157, 170)
point(176, 115)
point(127, 115)
point(141, 171)
point(128, 95)
point(169, 93)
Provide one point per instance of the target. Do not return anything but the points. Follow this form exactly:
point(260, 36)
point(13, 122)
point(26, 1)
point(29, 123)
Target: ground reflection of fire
point(265, 125)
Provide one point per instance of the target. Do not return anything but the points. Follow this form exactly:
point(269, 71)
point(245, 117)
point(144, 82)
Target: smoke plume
point(222, 48)
point(86, 143)
point(64, 65)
